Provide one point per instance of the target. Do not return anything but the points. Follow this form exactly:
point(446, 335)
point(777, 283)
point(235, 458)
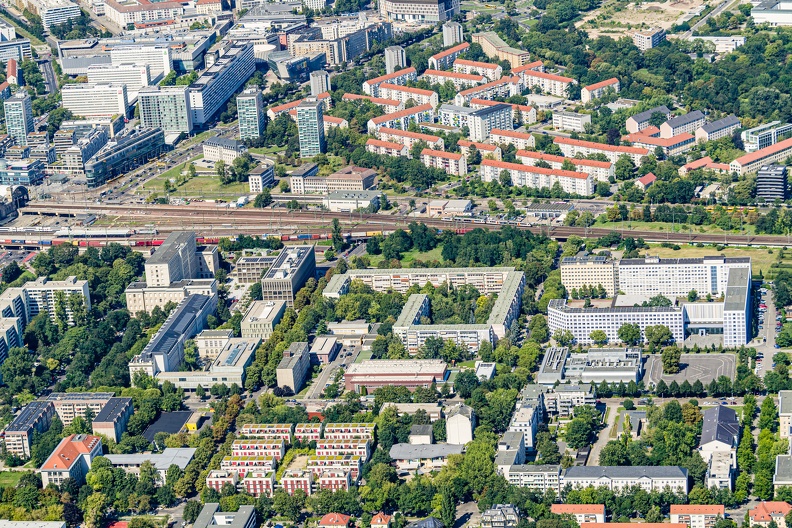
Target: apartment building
point(444, 59)
point(69, 405)
point(521, 140)
point(220, 81)
point(500, 516)
point(485, 149)
point(268, 431)
point(42, 295)
point(452, 33)
point(642, 120)
point(252, 118)
point(258, 447)
point(404, 94)
point(408, 139)
point(71, 459)
point(297, 479)
point(402, 119)
point(495, 48)
point(597, 90)
point(395, 59)
point(112, 420)
point(19, 116)
point(548, 83)
point(493, 72)
point(35, 417)
point(539, 477)
point(583, 513)
point(350, 431)
point(450, 162)
point(387, 148)
point(479, 121)
point(274, 111)
point(310, 127)
point(166, 107)
point(352, 464)
point(684, 124)
point(335, 480)
point(388, 106)
point(521, 114)
point(503, 87)
point(572, 147)
point(615, 478)
point(571, 182)
point(242, 466)
point(649, 38)
point(333, 447)
point(459, 80)
point(571, 121)
point(697, 515)
point(308, 432)
point(715, 130)
point(399, 78)
point(293, 267)
point(590, 270)
point(599, 170)
point(755, 160)
point(672, 146)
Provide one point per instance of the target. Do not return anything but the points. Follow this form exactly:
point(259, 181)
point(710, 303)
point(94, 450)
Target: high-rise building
point(133, 76)
point(320, 82)
point(252, 117)
point(19, 117)
point(395, 59)
point(220, 81)
point(95, 99)
point(771, 182)
point(158, 58)
point(310, 124)
point(165, 107)
point(452, 34)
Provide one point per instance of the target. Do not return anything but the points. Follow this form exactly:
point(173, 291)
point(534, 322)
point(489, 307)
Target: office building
point(158, 58)
point(17, 49)
point(449, 208)
point(113, 418)
point(320, 82)
point(51, 12)
point(229, 368)
point(222, 149)
point(395, 59)
point(35, 417)
point(771, 182)
point(649, 38)
point(583, 513)
point(715, 130)
point(132, 75)
point(773, 12)
point(262, 176)
point(293, 267)
point(571, 121)
point(449, 162)
point(19, 117)
point(444, 59)
point(495, 48)
point(755, 160)
point(418, 11)
point(252, 118)
point(652, 276)
point(571, 147)
point(293, 368)
point(452, 34)
point(597, 90)
point(25, 172)
point(428, 457)
point(71, 459)
point(372, 374)
point(480, 122)
point(612, 365)
point(220, 81)
point(124, 152)
point(697, 515)
point(348, 201)
point(74, 157)
point(310, 126)
point(95, 99)
point(684, 124)
point(642, 120)
point(616, 478)
point(140, 297)
point(725, 44)
point(129, 12)
point(571, 182)
point(174, 260)
point(590, 271)
point(165, 351)
point(765, 135)
point(720, 433)
point(167, 108)
point(261, 318)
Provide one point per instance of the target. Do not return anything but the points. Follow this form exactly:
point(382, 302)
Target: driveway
point(604, 434)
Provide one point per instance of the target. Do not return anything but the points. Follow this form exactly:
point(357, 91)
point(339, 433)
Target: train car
point(17, 241)
point(293, 237)
point(147, 231)
point(45, 242)
point(358, 234)
point(304, 236)
point(284, 237)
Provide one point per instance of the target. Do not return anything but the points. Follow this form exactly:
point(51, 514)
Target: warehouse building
point(613, 365)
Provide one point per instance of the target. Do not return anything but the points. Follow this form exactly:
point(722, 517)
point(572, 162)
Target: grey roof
point(487, 110)
point(619, 472)
point(170, 246)
point(785, 402)
point(685, 119)
point(29, 415)
point(180, 456)
point(223, 143)
point(420, 451)
point(783, 470)
point(306, 169)
point(646, 115)
point(421, 430)
point(114, 408)
point(737, 289)
point(462, 409)
point(506, 458)
point(241, 518)
point(678, 261)
point(720, 425)
point(561, 305)
point(429, 522)
point(720, 124)
point(181, 323)
point(535, 468)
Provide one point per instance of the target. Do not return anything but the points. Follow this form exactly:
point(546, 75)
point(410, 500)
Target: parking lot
point(693, 367)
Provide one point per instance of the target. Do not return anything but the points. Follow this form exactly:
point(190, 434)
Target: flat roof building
point(35, 417)
point(290, 271)
point(375, 373)
point(261, 318)
point(113, 418)
point(293, 369)
point(613, 365)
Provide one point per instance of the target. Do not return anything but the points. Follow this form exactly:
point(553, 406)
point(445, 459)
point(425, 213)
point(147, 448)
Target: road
point(604, 435)
point(767, 348)
point(715, 12)
point(49, 75)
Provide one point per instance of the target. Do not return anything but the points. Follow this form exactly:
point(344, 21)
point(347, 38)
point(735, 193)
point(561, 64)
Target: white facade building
point(220, 81)
point(571, 121)
point(133, 76)
point(157, 57)
point(95, 99)
point(538, 177)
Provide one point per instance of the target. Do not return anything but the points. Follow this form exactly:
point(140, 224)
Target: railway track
point(258, 221)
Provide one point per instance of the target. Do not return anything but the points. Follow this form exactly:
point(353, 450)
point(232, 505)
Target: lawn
point(10, 478)
point(761, 259)
point(263, 151)
point(672, 227)
point(203, 185)
point(409, 256)
point(33, 40)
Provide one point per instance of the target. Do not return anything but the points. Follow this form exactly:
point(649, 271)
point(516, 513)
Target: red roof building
point(646, 181)
point(768, 511)
point(71, 459)
point(334, 520)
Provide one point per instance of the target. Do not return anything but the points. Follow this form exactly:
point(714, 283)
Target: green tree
point(263, 199)
point(745, 451)
point(657, 336)
point(563, 337)
point(692, 296)
point(337, 238)
point(578, 433)
point(768, 415)
point(630, 334)
point(448, 509)
point(625, 168)
point(670, 358)
point(599, 337)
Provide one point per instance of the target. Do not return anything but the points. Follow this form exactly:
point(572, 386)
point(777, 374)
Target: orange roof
point(69, 451)
point(446, 53)
point(636, 525)
point(441, 154)
point(334, 519)
point(509, 133)
point(714, 509)
point(454, 75)
point(577, 508)
point(601, 84)
point(375, 100)
point(765, 511)
point(560, 159)
point(388, 77)
point(638, 137)
point(381, 518)
point(396, 87)
point(476, 64)
point(761, 153)
point(385, 144)
point(479, 146)
point(335, 120)
point(402, 113)
point(535, 170)
point(529, 66)
point(601, 146)
point(699, 163)
point(4, 86)
point(647, 179)
point(719, 166)
point(484, 87)
point(413, 135)
point(650, 131)
point(548, 76)
point(294, 104)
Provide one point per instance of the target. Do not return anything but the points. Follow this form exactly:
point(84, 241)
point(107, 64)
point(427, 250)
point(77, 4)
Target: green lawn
point(10, 478)
point(363, 356)
point(33, 40)
point(203, 185)
point(433, 254)
point(761, 259)
point(265, 150)
point(673, 227)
